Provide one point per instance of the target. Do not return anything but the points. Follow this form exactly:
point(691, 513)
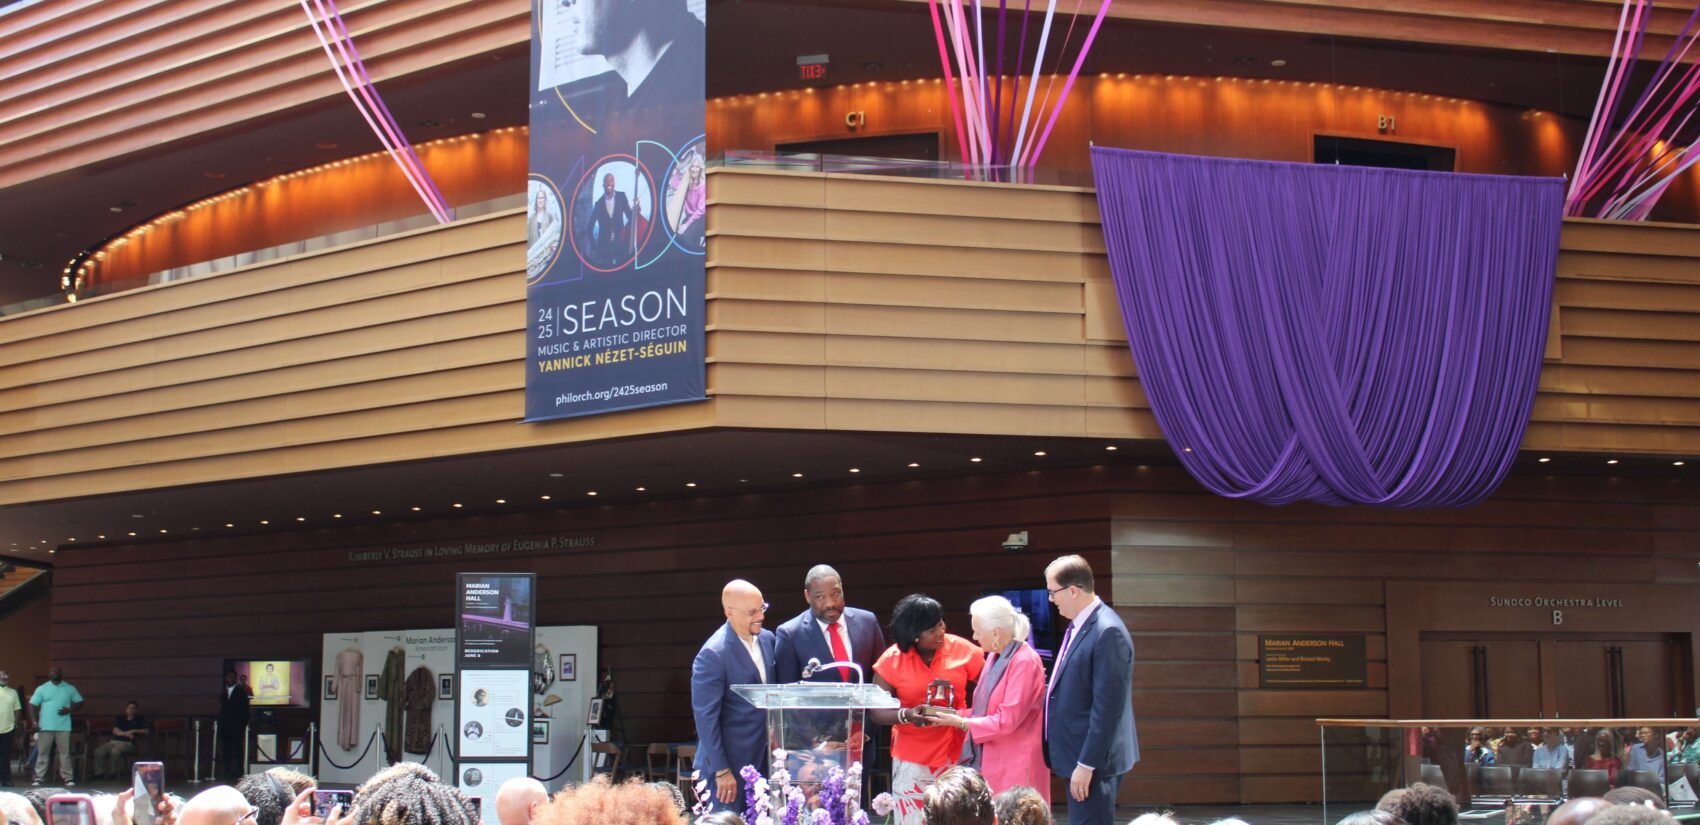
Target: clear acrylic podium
point(818, 725)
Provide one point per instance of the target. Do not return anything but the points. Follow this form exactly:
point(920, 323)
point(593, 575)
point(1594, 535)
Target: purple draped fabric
point(1332, 333)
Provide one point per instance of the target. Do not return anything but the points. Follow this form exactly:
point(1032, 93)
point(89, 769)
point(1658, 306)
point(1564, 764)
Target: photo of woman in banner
point(613, 212)
point(542, 227)
point(687, 198)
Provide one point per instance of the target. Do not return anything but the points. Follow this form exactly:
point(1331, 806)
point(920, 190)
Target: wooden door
point(1620, 678)
point(1465, 679)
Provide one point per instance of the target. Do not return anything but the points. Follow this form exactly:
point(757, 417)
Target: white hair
point(18, 809)
point(997, 612)
point(1153, 819)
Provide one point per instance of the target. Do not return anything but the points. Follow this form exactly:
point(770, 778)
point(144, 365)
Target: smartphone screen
point(70, 809)
point(324, 801)
point(148, 780)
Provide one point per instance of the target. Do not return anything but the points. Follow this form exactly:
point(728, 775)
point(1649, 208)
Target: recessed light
point(501, 501)
point(1611, 461)
point(1677, 463)
point(1039, 453)
point(913, 465)
point(796, 475)
point(690, 484)
point(1186, 449)
point(1110, 448)
point(300, 518)
point(336, 515)
point(1543, 459)
point(555, 475)
point(976, 459)
point(114, 208)
point(73, 538)
point(643, 489)
point(855, 469)
point(414, 509)
point(377, 512)
point(1277, 63)
point(477, 115)
point(457, 505)
point(227, 524)
point(545, 498)
point(591, 493)
point(100, 536)
point(263, 521)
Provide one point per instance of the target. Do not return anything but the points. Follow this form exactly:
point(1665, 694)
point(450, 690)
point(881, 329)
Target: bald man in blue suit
point(731, 732)
point(1089, 734)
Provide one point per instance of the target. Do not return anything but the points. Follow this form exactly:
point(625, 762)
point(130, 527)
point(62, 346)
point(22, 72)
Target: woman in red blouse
point(1607, 755)
point(924, 654)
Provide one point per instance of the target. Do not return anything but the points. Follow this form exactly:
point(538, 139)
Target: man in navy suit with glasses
point(1089, 733)
point(731, 732)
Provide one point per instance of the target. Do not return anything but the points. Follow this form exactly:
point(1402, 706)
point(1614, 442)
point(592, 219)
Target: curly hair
point(1021, 805)
point(1630, 815)
point(959, 797)
point(1424, 804)
point(600, 802)
point(408, 793)
point(272, 791)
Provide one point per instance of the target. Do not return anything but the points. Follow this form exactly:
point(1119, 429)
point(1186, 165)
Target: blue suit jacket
point(800, 639)
point(1090, 705)
point(731, 732)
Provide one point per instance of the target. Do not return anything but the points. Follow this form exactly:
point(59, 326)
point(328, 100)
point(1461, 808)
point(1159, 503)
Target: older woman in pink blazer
point(1006, 733)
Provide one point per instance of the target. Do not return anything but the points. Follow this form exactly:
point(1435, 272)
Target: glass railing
point(271, 253)
point(899, 167)
point(1517, 770)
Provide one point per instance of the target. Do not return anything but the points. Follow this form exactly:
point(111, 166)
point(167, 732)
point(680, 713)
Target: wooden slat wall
point(835, 303)
point(91, 80)
point(1199, 577)
point(156, 621)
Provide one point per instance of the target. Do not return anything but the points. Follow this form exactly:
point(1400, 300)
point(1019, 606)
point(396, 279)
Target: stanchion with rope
point(319, 745)
point(577, 749)
point(197, 779)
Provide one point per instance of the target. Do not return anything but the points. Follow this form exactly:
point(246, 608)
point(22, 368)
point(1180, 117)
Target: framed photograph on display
point(540, 731)
point(330, 688)
point(371, 686)
point(595, 717)
point(569, 667)
point(446, 686)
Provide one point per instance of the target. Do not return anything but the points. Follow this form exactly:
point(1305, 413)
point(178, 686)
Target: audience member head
point(1536, 736)
point(518, 800)
point(1154, 819)
point(1577, 811)
point(1425, 804)
point(721, 818)
point(1371, 817)
point(37, 798)
point(1606, 745)
point(1021, 805)
point(600, 802)
point(272, 792)
point(1631, 815)
point(915, 616)
point(1232, 820)
point(1389, 801)
point(218, 805)
point(408, 793)
point(958, 797)
point(17, 809)
point(1512, 737)
point(672, 791)
point(997, 623)
point(1632, 795)
point(1651, 740)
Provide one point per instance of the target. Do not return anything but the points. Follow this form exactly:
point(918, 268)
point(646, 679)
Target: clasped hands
point(925, 715)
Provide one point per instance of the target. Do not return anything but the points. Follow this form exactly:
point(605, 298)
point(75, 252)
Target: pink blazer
point(1012, 733)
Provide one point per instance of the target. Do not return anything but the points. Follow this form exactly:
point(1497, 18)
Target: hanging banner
point(616, 202)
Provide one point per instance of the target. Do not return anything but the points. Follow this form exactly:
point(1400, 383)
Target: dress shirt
point(754, 647)
point(1552, 757)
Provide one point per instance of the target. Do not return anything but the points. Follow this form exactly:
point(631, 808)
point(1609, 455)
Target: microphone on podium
point(811, 668)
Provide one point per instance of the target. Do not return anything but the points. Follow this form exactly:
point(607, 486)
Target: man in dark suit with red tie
point(1089, 733)
point(828, 631)
point(731, 732)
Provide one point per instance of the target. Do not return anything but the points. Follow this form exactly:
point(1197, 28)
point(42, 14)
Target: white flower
point(781, 777)
point(883, 804)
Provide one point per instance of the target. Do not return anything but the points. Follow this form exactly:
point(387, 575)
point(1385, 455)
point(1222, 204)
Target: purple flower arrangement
point(839, 797)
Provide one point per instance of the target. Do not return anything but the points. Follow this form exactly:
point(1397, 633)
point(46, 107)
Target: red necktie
point(839, 652)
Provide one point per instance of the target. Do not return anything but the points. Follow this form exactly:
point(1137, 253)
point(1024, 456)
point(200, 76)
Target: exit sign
point(812, 66)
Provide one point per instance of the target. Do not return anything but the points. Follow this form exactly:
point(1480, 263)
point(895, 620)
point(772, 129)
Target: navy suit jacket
point(800, 639)
point(731, 732)
point(1090, 704)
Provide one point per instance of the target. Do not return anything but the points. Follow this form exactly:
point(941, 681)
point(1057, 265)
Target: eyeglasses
point(757, 611)
point(1058, 590)
point(253, 813)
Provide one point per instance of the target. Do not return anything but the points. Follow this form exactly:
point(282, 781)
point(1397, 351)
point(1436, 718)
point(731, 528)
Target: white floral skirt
point(909, 784)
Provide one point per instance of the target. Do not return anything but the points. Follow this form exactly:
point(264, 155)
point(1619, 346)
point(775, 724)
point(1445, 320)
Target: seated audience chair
point(1543, 782)
point(1497, 780)
point(611, 766)
point(1585, 782)
point(1641, 779)
point(1432, 775)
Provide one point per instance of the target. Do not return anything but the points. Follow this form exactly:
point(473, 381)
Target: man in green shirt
point(51, 707)
point(11, 714)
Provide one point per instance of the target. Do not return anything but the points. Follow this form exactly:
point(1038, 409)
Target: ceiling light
point(796, 475)
point(855, 469)
point(100, 536)
point(501, 501)
point(1110, 448)
point(975, 459)
point(1039, 453)
point(377, 512)
point(162, 529)
point(336, 515)
point(1677, 463)
point(1611, 461)
point(690, 484)
point(1543, 459)
point(554, 475)
point(457, 505)
point(591, 493)
point(913, 465)
point(642, 489)
point(1277, 63)
point(300, 518)
point(227, 524)
point(545, 498)
point(73, 538)
point(477, 115)
point(263, 521)
point(414, 509)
